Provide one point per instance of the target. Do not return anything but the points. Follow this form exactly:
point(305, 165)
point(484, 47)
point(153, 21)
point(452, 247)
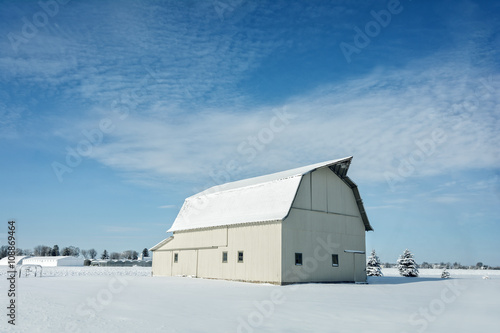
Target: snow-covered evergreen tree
point(407, 265)
point(373, 265)
point(445, 274)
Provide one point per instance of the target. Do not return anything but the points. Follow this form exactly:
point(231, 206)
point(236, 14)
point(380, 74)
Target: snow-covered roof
point(160, 244)
point(5, 260)
point(260, 199)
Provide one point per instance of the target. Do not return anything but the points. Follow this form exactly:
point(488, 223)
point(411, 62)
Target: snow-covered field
point(128, 299)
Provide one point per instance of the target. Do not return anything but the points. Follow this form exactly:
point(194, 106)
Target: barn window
point(240, 256)
point(176, 257)
point(224, 256)
point(298, 259)
point(335, 260)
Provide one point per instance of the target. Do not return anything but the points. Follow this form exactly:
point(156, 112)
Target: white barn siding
point(340, 197)
point(162, 263)
point(303, 196)
point(260, 243)
point(331, 227)
point(318, 189)
point(201, 238)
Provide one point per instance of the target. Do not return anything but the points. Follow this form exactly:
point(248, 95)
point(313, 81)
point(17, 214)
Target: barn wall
point(197, 239)
point(162, 263)
point(260, 243)
point(330, 227)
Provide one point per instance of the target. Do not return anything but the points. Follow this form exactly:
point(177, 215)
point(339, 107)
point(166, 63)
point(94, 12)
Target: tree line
point(48, 251)
point(407, 266)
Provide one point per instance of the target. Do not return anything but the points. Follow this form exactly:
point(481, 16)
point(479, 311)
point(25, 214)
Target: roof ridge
point(299, 171)
point(241, 187)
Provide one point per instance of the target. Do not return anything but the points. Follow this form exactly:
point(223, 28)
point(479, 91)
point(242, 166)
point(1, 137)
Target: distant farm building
point(302, 225)
point(54, 261)
point(18, 260)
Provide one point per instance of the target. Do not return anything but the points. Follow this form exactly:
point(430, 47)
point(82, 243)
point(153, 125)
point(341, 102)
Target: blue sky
point(112, 112)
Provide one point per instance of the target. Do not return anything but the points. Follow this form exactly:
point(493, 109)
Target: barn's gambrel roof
point(260, 199)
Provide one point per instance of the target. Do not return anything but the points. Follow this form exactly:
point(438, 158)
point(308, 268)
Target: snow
point(264, 202)
point(5, 260)
point(128, 299)
point(259, 199)
point(54, 261)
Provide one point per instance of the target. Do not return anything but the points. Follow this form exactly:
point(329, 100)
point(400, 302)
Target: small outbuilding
point(54, 261)
point(301, 225)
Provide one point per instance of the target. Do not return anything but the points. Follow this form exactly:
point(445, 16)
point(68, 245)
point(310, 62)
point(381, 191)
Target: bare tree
point(42, 250)
point(85, 254)
point(92, 253)
point(37, 250)
point(114, 256)
point(75, 251)
point(125, 255)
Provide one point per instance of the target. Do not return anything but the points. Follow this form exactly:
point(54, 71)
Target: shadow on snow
point(399, 279)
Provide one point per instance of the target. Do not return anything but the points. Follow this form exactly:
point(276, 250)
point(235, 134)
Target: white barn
point(302, 225)
point(54, 261)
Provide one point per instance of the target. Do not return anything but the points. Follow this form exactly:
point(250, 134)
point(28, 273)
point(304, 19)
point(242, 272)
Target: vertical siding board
point(303, 197)
point(319, 189)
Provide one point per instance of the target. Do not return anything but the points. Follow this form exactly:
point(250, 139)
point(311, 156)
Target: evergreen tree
point(145, 253)
point(55, 251)
point(407, 265)
point(66, 251)
point(373, 265)
point(105, 255)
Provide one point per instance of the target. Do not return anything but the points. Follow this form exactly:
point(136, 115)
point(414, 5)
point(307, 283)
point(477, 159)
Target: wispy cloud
point(446, 199)
point(188, 116)
point(490, 183)
point(167, 206)
point(383, 119)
